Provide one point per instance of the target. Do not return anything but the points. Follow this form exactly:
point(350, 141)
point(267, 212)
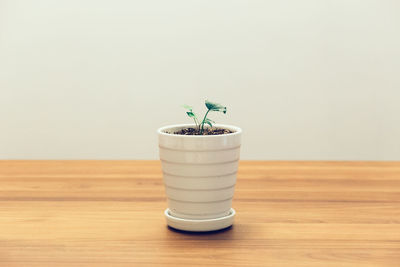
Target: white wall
point(304, 79)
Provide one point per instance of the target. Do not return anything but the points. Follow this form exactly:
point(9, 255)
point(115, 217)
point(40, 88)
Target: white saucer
point(200, 225)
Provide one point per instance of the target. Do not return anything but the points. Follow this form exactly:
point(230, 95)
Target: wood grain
point(110, 213)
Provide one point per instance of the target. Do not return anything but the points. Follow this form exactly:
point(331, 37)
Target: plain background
point(306, 80)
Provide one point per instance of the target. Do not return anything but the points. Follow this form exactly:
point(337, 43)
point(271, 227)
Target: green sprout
point(210, 107)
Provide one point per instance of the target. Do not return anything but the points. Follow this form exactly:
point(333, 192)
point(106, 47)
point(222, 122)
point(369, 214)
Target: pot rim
point(161, 131)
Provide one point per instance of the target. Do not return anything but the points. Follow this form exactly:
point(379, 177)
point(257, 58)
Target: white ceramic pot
point(199, 176)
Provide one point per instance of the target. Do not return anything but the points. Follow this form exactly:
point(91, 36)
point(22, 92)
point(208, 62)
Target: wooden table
point(110, 213)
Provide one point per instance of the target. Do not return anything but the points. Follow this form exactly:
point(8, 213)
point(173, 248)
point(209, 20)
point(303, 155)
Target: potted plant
point(199, 164)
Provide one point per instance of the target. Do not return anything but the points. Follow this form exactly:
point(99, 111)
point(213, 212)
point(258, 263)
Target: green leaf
point(191, 114)
point(187, 107)
point(215, 107)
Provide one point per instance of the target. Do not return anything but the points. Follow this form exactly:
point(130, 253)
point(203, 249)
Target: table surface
point(110, 213)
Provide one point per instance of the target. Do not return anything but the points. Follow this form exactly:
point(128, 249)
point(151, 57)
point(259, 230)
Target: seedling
point(210, 107)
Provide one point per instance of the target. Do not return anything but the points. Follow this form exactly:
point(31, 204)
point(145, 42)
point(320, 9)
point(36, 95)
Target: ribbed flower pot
point(199, 176)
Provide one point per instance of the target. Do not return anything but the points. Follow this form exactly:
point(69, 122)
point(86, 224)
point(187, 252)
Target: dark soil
point(207, 131)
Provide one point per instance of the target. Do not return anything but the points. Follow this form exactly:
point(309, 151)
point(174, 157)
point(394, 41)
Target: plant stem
point(196, 122)
point(202, 123)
